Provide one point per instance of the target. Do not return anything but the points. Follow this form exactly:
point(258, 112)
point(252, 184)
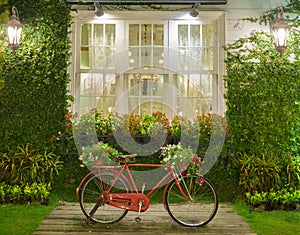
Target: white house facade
point(144, 60)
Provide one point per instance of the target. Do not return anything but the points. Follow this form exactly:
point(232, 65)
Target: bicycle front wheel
point(196, 212)
point(88, 197)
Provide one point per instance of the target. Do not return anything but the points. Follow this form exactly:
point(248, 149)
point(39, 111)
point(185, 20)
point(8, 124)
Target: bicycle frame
point(134, 201)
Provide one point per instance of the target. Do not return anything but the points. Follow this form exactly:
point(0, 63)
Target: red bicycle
point(107, 193)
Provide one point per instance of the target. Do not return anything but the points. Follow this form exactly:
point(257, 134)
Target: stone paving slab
point(67, 219)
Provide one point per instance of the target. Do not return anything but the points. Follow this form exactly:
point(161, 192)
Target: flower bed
point(142, 128)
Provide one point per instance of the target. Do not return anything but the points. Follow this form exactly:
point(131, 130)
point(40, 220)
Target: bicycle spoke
point(98, 211)
point(197, 212)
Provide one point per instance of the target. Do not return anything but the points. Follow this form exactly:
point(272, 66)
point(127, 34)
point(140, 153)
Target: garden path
point(68, 219)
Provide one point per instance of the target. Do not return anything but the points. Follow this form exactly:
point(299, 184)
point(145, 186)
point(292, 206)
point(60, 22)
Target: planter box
point(85, 140)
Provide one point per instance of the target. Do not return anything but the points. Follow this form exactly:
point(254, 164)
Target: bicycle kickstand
point(138, 218)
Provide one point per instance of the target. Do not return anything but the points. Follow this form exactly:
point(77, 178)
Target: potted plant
point(100, 153)
point(183, 157)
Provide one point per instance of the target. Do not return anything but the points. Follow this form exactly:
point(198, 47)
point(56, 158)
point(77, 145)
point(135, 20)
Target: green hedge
point(263, 110)
point(34, 99)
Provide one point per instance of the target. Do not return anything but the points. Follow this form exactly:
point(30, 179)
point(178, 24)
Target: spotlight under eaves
point(98, 9)
point(195, 10)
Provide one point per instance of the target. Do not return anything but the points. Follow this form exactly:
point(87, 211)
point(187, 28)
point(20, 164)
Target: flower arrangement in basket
point(99, 154)
point(183, 157)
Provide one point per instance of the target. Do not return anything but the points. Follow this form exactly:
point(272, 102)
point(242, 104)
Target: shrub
point(24, 164)
point(285, 199)
point(24, 193)
point(260, 173)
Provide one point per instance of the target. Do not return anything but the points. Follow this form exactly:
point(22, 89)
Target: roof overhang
point(155, 2)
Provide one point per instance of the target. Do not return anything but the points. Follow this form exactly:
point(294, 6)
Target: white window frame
point(122, 24)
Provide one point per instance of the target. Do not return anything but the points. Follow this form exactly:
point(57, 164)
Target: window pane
point(85, 84)
point(84, 58)
point(133, 85)
point(133, 57)
point(145, 85)
point(158, 34)
point(87, 103)
point(98, 34)
point(195, 58)
point(183, 35)
point(146, 56)
point(195, 35)
point(158, 86)
point(146, 106)
point(98, 58)
point(206, 86)
point(205, 105)
point(207, 35)
point(158, 59)
point(108, 104)
point(110, 57)
point(194, 85)
point(85, 34)
point(157, 105)
point(146, 34)
point(207, 58)
point(97, 85)
point(84, 48)
point(110, 82)
point(183, 58)
point(110, 34)
point(182, 106)
point(182, 84)
point(134, 105)
point(134, 35)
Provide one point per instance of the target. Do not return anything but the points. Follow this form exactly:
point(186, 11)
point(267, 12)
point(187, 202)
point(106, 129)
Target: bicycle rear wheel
point(197, 212)
point(88, 197)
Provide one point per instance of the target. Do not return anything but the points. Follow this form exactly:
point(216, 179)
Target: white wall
point(238, 9)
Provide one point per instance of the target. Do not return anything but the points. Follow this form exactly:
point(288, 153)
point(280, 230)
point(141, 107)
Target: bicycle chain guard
point(126, 201)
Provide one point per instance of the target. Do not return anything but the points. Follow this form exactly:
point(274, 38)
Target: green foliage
point(283, 199)
point(295, 138)
point(262, 95)
point(260, 173)
point(24, 193)
point(263, 109)
point(34, 101)
point(145, 125)
point(26, 165)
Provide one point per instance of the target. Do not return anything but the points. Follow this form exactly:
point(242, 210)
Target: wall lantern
point(14, 29)
point(280, 31)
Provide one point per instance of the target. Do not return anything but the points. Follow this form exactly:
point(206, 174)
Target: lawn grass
point(22, 219)
point(271, 222)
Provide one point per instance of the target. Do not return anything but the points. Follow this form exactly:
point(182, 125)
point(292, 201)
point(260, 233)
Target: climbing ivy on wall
point(263, 91)
point(263, 110)
point(34, 99)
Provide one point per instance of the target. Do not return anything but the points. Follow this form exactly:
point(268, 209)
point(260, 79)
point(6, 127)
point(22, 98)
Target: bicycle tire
point(198, 212)
point(88, 197)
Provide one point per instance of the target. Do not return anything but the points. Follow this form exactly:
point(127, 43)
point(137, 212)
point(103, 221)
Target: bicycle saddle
point(127, 158)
